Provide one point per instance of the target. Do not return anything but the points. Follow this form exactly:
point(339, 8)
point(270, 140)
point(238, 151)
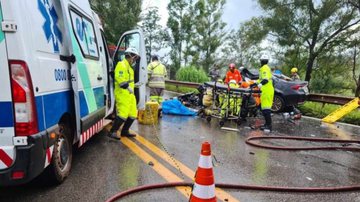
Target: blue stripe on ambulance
point(84, 110)
point(56, 104)
point(99, 97)
point(40, 112)
point(6, 114)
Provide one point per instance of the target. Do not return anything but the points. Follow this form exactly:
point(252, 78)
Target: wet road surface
point(103, 167)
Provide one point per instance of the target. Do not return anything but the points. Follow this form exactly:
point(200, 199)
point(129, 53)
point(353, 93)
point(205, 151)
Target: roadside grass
point(180, 89)
point(312, 109)
point(319, 110)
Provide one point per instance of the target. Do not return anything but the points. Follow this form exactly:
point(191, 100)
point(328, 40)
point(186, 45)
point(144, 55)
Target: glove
point(259, 85)
point(130, 90)
point(253, 85)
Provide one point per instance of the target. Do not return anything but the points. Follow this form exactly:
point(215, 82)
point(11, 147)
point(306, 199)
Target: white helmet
point(232, 81)
point(132, 50)
point(264, 57)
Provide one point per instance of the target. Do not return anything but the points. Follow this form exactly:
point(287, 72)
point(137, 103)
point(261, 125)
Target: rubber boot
point(115, 127)
point(160, 113)
point(125, 130)
point(267, 127)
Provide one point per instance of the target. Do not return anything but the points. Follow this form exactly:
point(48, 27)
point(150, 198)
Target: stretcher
point(221, 101)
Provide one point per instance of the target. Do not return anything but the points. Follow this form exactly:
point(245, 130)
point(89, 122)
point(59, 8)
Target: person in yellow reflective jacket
point(230, 103)
point(265, 83)
point(156, 74)
point(126, 109)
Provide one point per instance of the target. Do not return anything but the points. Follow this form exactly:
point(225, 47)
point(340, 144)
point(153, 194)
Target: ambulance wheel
point(208, 119)
point(222, 123)
point(62, 155)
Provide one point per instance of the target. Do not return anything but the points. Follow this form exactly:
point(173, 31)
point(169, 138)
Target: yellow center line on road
point(221, 194)
point(158, 167)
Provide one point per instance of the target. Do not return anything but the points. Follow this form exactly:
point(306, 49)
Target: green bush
point(191, 74)
point(180, 89)
point(320, 110)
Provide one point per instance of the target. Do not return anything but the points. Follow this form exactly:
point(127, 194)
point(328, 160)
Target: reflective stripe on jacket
point(157, 73)
point(233, 76)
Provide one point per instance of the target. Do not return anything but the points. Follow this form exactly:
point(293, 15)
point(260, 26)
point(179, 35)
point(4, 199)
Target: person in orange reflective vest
point(233, 74)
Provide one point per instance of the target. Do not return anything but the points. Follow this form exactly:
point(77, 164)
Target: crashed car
point(288, 93)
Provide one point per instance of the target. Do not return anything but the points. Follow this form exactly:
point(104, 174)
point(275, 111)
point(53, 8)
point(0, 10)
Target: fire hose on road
point(251, 142)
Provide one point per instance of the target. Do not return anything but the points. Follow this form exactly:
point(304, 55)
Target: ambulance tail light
point(23, 99)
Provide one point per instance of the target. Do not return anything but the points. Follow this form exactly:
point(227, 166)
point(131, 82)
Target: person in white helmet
point(265, 83)
point(126, 109)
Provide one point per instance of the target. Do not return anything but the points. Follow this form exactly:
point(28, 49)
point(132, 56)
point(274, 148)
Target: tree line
point(320, 38)
point(194, 31)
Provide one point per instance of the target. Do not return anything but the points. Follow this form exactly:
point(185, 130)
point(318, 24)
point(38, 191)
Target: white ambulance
point(56, 87)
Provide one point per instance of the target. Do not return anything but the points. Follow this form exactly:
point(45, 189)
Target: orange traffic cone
point(204, 186)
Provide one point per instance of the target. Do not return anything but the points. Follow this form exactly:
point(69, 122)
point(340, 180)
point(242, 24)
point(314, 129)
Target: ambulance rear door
point(87, 75)
point(7, 133)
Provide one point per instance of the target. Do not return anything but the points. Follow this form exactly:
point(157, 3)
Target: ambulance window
point(85, 35)
point(79, 29)
point(130, 40)
point(90, 38)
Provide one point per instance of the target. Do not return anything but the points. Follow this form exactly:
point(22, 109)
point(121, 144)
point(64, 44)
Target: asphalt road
point(103, 167)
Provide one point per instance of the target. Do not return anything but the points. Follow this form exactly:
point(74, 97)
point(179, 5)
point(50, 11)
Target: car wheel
point(278, 104)
point(62, 155)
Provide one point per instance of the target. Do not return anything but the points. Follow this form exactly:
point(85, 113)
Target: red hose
point(148, 187)
point(235, 186)
point(263, 188)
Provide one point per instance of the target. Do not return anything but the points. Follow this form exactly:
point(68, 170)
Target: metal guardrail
point(314, 97)
point(183, 83)
point(329, 99)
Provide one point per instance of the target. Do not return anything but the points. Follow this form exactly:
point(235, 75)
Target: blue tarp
point(175, 107)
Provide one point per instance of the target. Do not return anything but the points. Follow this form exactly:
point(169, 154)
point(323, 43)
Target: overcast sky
point(235, 11)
